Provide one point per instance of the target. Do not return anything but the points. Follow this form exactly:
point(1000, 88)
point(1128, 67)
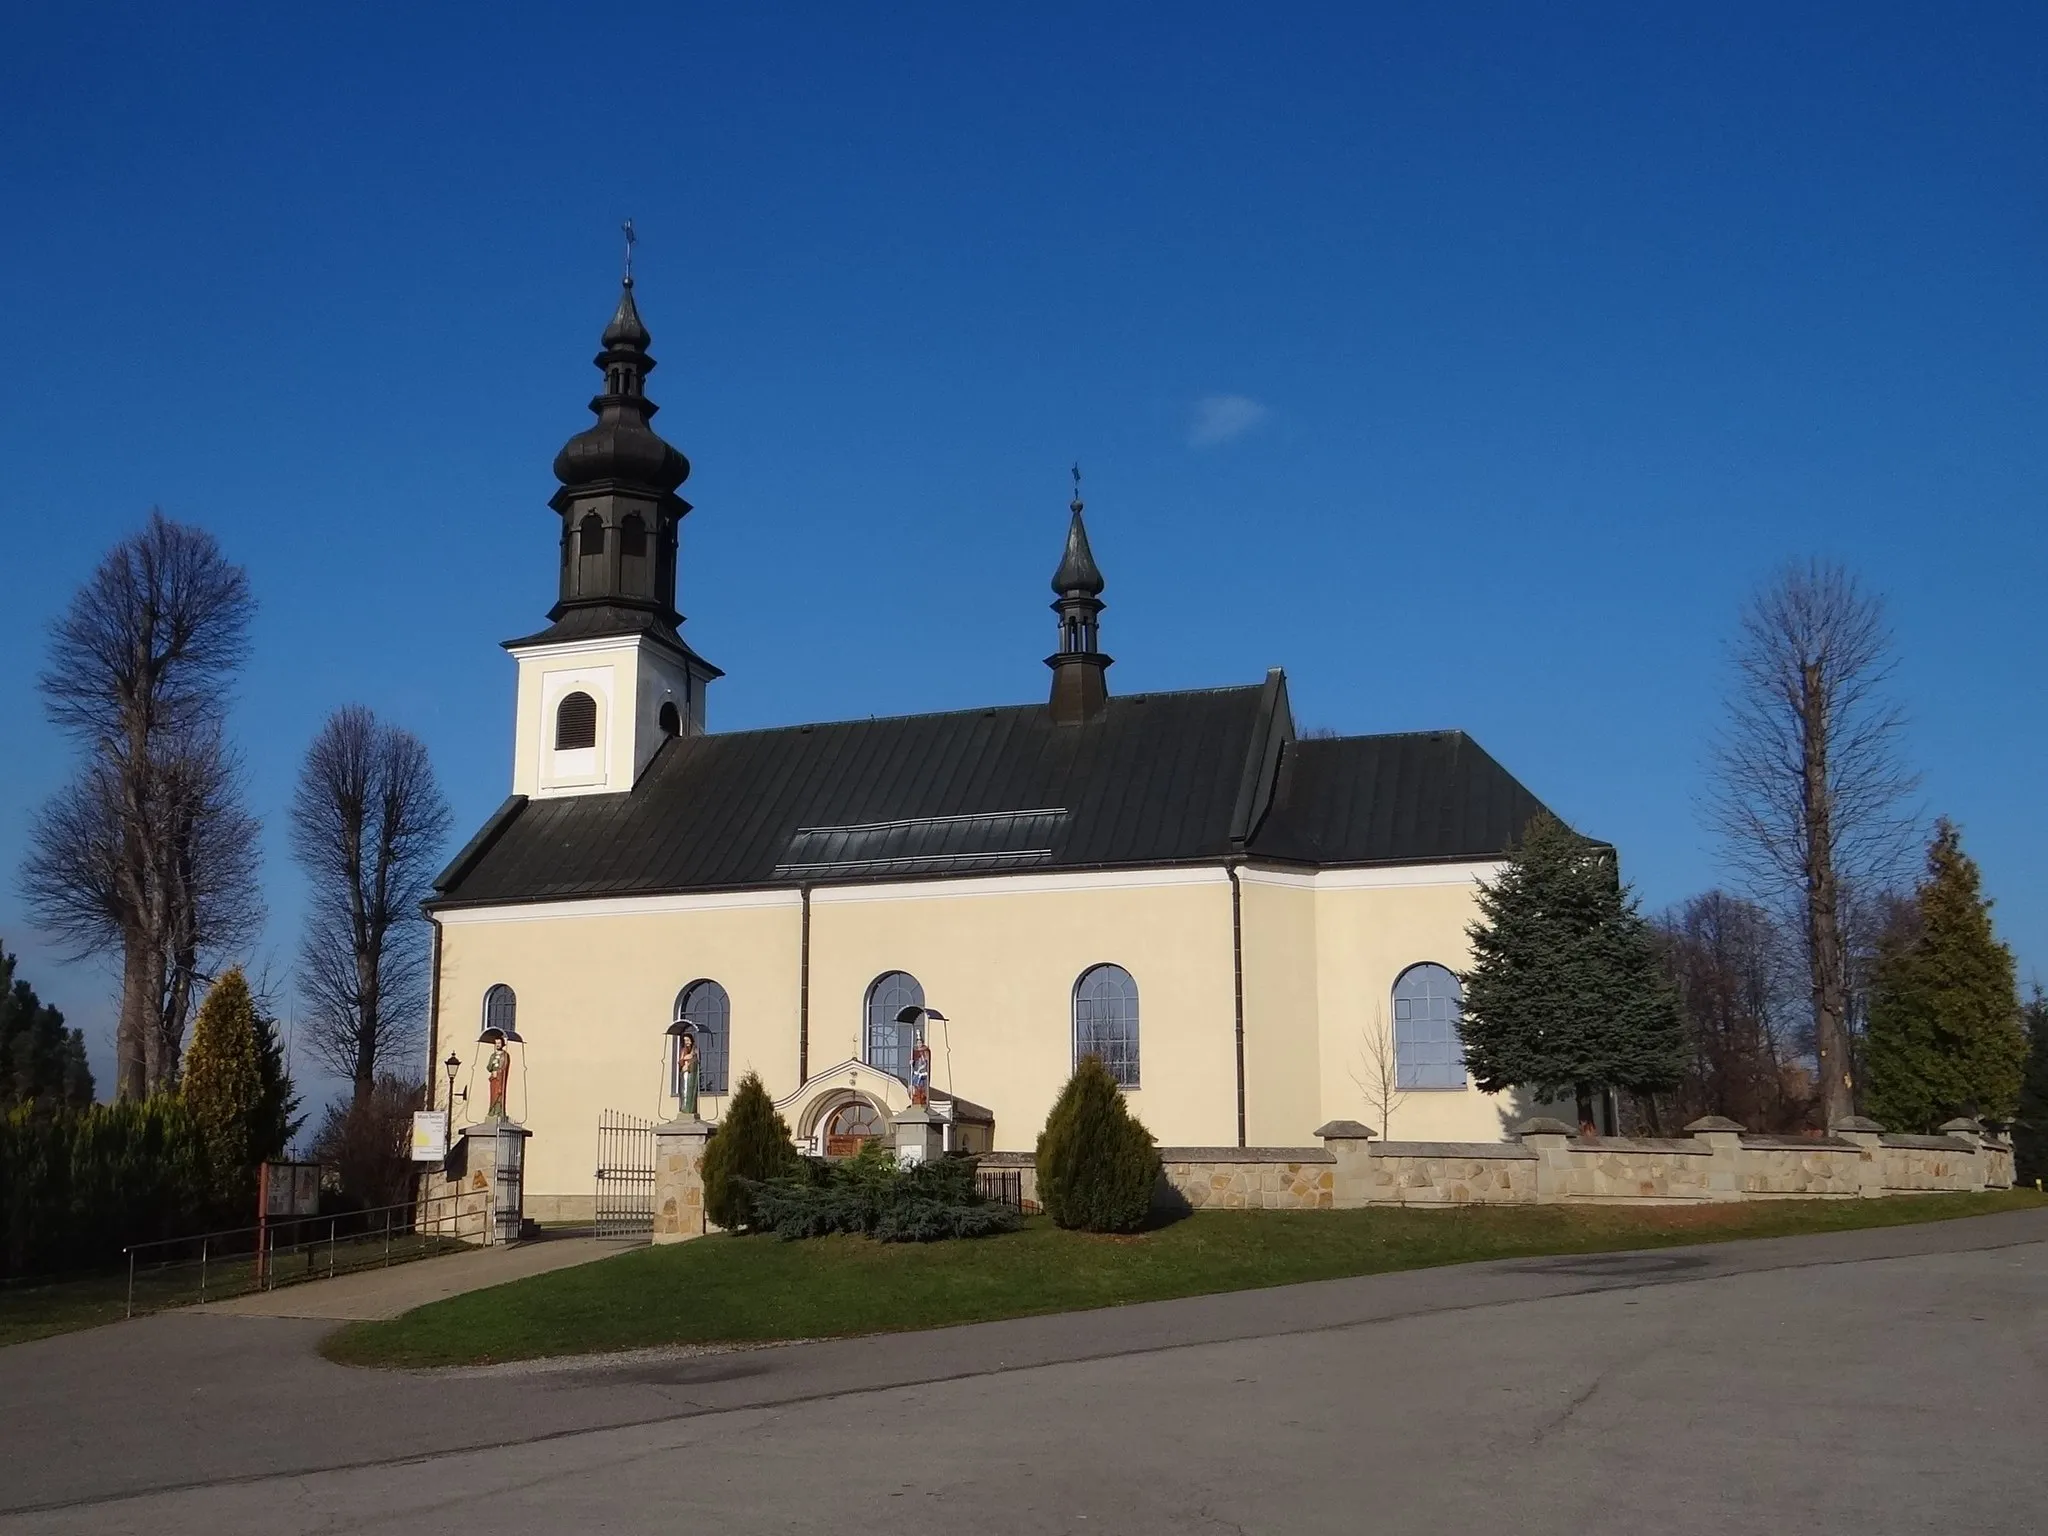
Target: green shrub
point(751, 1146)
point(1097, 1165)
point(77, 1186)
point(873, 1195)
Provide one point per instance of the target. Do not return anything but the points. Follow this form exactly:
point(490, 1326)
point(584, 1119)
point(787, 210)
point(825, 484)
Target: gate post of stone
point(1350, 1143)
point(679, 1179)
point(1550, 1140)
point(1723, 1138)
point(1971, 1134)
point(1868, 1136)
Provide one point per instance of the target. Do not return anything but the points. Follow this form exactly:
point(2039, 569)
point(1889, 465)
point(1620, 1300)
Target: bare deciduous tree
point(1808, 785)
point(149, 851)
point(368, 822)
point(1736, 985)
point(1377, 1071)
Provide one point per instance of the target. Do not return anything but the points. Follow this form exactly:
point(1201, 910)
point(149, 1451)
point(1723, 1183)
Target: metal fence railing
point(213, 1266)
point(1005, 1186)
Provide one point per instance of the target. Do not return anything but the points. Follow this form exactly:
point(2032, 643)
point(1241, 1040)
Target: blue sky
point(1471, 362)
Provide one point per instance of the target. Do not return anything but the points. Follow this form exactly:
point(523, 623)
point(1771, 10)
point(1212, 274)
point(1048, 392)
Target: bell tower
point(1080, 686)
point(611, 677)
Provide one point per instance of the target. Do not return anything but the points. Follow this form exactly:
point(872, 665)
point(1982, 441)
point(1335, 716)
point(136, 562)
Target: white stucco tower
point(611, 677)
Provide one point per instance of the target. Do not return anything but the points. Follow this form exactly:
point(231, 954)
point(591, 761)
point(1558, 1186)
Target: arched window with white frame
point(1428, 1050)
point(887, 1041)
point(704, 1006)
point(501, 1009)
point(1106, 1021)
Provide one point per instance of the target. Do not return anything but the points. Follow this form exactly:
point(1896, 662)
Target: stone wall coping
point(1246, 1155)
point(1714, 1123)
point(1856, 1123)
point(1801, 1143)
point(1543, 1125)
point(1344, 1130)
point(1512, 1150)
point(1186, 1155)
point(1924, 1143)
point(1684, 1147)
point(1961, 1123)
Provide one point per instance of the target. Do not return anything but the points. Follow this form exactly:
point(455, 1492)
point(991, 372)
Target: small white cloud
point(1219, 418)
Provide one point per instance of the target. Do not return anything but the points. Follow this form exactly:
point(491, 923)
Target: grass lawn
point(755, 1288)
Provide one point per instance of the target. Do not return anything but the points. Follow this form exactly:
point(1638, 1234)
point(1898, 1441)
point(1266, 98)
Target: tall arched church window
point(704, 1005)
point(1106, 1021)
point(633, 536)
point(575, 722)
point(501, 1009)
point(590, 534)
point(887, 1043)
point(1428, 1051)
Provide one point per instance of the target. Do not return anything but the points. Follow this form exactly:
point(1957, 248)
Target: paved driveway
point(1866, 1383)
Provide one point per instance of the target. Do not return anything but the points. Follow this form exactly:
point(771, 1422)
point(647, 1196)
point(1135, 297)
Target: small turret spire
point(1079, 686)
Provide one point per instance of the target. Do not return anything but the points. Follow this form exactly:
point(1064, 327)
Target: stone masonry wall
point(1545, 1164)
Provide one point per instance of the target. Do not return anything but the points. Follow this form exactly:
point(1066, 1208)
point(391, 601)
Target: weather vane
point(627, 227)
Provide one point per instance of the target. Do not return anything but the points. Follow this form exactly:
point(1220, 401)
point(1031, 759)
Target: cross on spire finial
point(1077, 488)
point(627, 229)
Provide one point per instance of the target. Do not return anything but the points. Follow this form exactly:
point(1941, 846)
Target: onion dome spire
point(1079, 687)
point(1078, 572)
point(623, 445)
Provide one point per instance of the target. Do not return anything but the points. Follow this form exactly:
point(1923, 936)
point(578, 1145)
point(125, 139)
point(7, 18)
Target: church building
point(1246, 925)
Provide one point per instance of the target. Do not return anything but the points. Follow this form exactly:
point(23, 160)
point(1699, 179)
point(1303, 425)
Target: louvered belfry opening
point(576, 723)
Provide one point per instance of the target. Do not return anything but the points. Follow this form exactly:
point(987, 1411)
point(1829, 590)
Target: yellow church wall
point(597, 982)
point(1000, 956)
point(596, 985)
point(1283, 1092)
point(1371, 925)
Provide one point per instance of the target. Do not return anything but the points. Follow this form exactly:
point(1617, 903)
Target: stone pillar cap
point(916, 1114)
point(1343, 1130)
point(1964, 1123)
point(1543, 1125)
point(684, 1125)
point(1713, 1123)
point(1857, 1123)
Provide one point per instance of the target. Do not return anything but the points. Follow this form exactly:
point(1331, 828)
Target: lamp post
point(451, 1066)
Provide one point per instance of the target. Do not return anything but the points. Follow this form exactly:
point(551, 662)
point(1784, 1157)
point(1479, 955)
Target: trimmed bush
point(873, 1195)
point(78, 1185)
point(1097, 1165)
point(751, 1146)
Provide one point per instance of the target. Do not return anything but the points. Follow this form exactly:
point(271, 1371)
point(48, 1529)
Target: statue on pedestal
point(498, 1066)
point(686, 1075)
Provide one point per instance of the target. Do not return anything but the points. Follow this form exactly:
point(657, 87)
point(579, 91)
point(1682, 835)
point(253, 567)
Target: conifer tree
point(223, 1085)
point(2030, 1125)
point(1944, 1037)
point(1097, 1164)
point(752, 1145)
point(40, 1059)
point(1566, 994)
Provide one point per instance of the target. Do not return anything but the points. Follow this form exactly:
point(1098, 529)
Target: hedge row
point(76, 1186)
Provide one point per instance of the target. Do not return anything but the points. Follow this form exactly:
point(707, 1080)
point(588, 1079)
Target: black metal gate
point(625, 1176)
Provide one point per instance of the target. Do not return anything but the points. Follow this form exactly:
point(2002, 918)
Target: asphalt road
point(1868, 1383)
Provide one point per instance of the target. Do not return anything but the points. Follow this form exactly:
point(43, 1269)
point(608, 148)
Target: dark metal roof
point(1425, 796)
point(1153, 780)
point(1168, 778)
